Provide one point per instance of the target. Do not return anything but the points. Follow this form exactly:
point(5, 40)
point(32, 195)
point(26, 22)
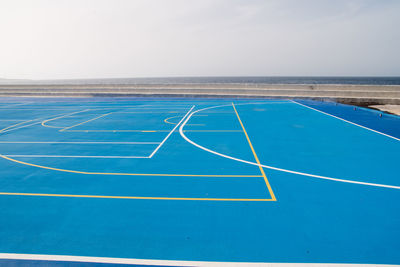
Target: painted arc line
point(346, 120)
point(169, 134)
point(62, 116)
point(86, 259)
point(167, 120)
point(267, 166)
point(128, 174)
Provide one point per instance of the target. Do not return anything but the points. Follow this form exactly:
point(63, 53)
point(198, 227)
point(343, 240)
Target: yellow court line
point(66, 128)
point(2, 130)
point(125, 174)
point(167, 120)
point(59, 117)
point(148, 131)
point(214, 131)
point(255, 156)
point(132, 197)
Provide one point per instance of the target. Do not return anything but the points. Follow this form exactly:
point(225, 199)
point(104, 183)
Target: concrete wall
point(354, 94)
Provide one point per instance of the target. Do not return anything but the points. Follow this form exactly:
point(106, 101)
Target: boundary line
point(346, 120)
point(77, 156)
point(86, 259)
point(173, 130)
point(255, 156)
point(132, 197)
point(56, 142)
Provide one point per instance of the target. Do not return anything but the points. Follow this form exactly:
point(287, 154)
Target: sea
point(237, 79)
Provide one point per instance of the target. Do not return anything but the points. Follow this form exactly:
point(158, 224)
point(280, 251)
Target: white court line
point(15, 125)
point(12, 120)
point(76, 156)
point(84, 259)
point(62, 116)
point(147, 112)
point(347, 121)
point(267, 166)
point(55, 142)
point(13, 105)
point(40, 109)
point(23, 126)
point(42, 122)
point(173, 130)
point(95, 107)
point(168, 108)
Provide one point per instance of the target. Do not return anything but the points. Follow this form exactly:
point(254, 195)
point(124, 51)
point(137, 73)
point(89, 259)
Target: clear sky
point(51, 39)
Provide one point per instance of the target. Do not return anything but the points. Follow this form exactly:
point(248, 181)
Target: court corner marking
point(271, 192)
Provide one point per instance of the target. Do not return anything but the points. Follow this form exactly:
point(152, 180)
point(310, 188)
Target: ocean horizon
point(364, 80)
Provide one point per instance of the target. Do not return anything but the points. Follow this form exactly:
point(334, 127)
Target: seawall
point(350, 94)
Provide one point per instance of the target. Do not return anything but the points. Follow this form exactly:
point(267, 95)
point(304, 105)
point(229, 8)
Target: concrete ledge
point(350, 94)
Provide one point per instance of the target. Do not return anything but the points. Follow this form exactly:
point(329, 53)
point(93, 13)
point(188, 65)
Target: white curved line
point(267, 166)
point(85, 259)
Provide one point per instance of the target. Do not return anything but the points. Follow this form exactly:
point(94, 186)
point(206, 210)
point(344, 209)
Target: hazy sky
point(50, 39)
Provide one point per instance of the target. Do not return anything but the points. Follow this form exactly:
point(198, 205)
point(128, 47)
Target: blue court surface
point(169, 181)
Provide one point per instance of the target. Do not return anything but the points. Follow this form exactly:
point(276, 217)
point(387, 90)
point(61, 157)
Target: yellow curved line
point(167, 121)
point(50, 126)
point(124, 174)
point(59, 117)
point(2, 130)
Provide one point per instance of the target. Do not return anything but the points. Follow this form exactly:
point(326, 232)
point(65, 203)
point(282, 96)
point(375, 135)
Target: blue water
point(257, 80)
